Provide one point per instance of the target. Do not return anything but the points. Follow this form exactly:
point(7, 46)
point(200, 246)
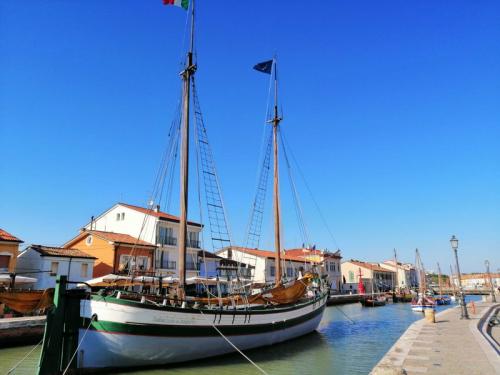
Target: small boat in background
point(370, 301)
point(422, 302)
point(441, 299)
point(373, 301)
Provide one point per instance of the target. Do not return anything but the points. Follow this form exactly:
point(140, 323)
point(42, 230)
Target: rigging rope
point(298, 207)
point(323, 219)
point(80, 343)
point(24, 358)
point(234, 346)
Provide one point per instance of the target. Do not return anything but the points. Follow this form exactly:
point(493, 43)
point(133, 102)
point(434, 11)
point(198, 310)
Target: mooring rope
point(80, 343)
point(234, 346)
point(338, 308)
point(22, 359)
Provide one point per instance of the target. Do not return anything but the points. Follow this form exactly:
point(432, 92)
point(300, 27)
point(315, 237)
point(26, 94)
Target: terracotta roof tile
point(119, 238)
point(159, 214)
point(61, 252)
point(370, 266)
point(268, 254)
point(6, 236)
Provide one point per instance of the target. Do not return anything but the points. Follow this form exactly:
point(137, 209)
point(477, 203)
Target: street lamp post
point(454, 245)
point(487, 264)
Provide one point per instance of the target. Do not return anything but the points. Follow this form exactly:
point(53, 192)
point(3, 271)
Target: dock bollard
point(430, 315)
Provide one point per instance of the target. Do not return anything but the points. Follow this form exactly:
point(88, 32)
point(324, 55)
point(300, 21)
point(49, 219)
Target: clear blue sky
point(391, 107)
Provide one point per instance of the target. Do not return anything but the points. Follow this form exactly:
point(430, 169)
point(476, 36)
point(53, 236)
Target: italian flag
point(180, 3)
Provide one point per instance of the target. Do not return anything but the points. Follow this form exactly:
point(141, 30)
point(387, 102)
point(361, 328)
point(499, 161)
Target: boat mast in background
point(439, 281)
point(186, 74)
point(396, 284)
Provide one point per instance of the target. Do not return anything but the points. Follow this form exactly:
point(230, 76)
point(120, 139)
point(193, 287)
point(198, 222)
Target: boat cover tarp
point(26, 301)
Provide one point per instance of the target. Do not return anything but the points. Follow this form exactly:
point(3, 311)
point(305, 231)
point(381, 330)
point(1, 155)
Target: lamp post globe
point(454, 242)
point(454, 245)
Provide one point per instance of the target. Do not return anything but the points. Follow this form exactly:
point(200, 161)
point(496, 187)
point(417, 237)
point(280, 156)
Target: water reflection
point(351, 339)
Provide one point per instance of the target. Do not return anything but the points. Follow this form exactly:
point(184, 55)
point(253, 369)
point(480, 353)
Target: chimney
point(157, 208)
point(91, 222)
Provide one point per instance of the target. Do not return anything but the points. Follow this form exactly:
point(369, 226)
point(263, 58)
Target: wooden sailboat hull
point(129, 334)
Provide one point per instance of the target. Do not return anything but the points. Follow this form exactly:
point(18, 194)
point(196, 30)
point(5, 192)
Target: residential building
point(262, 263)
point(328, 264)
point(477, 280)
point(115, 252)
point(373, 275)
point(9, 250)
point(229, 269)
point(45, 263)
point(154, 227)
point(405, 274)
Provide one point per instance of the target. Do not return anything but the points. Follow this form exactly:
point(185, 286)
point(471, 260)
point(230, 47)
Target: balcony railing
point(193, 244)
point(170, 241)
point(169, 265)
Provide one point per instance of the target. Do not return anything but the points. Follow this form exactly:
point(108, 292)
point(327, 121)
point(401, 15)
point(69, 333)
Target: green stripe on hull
point(195, 331)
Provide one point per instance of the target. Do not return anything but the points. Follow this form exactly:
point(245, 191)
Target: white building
point(372, 274)
point(262, 263)
point(328, 264)
point(156, 227)
point(477, 280)
point(45, 263)
point(404, 273)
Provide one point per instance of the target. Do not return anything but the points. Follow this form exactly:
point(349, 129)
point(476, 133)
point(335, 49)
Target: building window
point(194, 240)
point(142, 263)
point(89, 240)
point(54, 266)
point(164, 262)
point(125, 262)
point(273, 271)
point(351, 276)
point(166, 236)
point(289, 272)
point(85, 270)
point(123, 215)
point(117, 217)
point(4, 263)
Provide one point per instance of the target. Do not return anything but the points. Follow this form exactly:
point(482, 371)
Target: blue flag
point(264, 67)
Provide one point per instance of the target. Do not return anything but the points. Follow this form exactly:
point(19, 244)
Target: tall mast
point(396, 265)
point(276, 191)
point(186, 74)
point(439, 281)
point(421, 273)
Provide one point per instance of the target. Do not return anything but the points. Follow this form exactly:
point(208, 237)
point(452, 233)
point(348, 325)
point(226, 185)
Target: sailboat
point(441, 299)
point(422, 302)
point(453, 297)
point(118, 328)
point(371, 301)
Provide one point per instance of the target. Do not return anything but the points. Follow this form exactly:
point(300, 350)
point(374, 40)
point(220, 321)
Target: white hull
point(117, 350)
point(140, 342)
point(422, 308)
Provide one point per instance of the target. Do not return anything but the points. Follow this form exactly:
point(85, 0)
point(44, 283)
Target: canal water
point(351, 339)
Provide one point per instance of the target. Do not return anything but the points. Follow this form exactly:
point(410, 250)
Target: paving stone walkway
point(449, 346)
